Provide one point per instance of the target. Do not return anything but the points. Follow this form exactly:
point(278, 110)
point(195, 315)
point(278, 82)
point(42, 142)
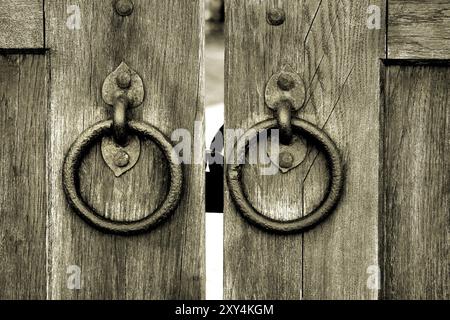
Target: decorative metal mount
point(283, 87)
point(122, 89)
point(123, 82)
point(285, 93)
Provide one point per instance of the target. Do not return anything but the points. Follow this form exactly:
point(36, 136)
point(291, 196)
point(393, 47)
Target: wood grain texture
point(419, 29)
point(329, 45)
point(21, 24)
point(23, 196)
point(416, 207)
point(163, 42)
point(342, 56)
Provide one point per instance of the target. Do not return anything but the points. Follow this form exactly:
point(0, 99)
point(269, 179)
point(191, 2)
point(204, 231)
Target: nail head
point(286, 82)
point(124, 7)
point(286, 160)
point(124, 80)
point(121, 159)
point(276, 16)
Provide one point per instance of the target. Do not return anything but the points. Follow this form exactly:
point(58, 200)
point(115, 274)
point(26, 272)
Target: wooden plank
point(258, 265)
point(21, 24)
point(343, 59)
point(416, 207)
point(419, 29)
point(23, 197)
point(329, 44)
point(163, 42)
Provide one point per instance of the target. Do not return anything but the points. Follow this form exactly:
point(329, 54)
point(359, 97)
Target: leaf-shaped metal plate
point(121, 158)
point(295, 94)
point(297, 149)
point(134, 93)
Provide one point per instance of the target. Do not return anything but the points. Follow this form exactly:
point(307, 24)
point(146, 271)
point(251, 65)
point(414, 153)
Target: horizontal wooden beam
point(418, 29)
point(21, 24)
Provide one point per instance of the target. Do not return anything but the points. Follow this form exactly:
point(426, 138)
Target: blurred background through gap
point(214, 120)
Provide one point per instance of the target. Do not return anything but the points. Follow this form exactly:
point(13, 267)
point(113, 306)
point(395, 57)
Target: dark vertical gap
point(215, 87)
point(381, 234)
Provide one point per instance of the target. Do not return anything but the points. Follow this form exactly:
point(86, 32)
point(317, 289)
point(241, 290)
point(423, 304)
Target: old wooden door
point(55, 58)
point(371, 77)
point(376, 79)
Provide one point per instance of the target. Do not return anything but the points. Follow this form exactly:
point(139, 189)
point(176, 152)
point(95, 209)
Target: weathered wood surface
point(21, 24)
point(416, 208)
point(23, 183)
point(329, 44)
point(419, 29)
point(163, 42)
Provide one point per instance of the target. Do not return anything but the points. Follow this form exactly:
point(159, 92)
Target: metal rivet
point(124, 7)
point(286, 160)
point(121, 159)
point(286, 82)
point(123, 80)
point(276, 16)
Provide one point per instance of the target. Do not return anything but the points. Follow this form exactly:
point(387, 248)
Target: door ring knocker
point(285, 101)
point(314, 217)
point(119, 129)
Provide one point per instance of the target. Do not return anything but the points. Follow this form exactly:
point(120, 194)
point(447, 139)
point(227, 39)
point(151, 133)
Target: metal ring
point(317, 215)
point(71, 180)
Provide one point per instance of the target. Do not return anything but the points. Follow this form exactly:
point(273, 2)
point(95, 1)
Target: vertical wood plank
point(343, 54)
point(329, 44)
point(22, 24)
point(416, 208)
point(23, 197)
point(258, 265)
point(163, 42)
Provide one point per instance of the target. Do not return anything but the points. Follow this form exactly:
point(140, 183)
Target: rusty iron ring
point(318, 214)
point(72, 163)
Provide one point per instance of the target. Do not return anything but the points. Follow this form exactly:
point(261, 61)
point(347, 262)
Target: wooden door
point(55, 58)
point(376, 78)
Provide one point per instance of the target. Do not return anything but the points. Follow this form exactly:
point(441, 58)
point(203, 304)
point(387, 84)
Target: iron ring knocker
point(119, 128)
point(314, 217)
point(288, 127)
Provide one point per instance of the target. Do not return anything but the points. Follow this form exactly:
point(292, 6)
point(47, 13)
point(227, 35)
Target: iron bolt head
point(286, 82)
point(121, 159)
point(123, 80)
point(124, 7)
point(276, 16)
point(286, 160)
